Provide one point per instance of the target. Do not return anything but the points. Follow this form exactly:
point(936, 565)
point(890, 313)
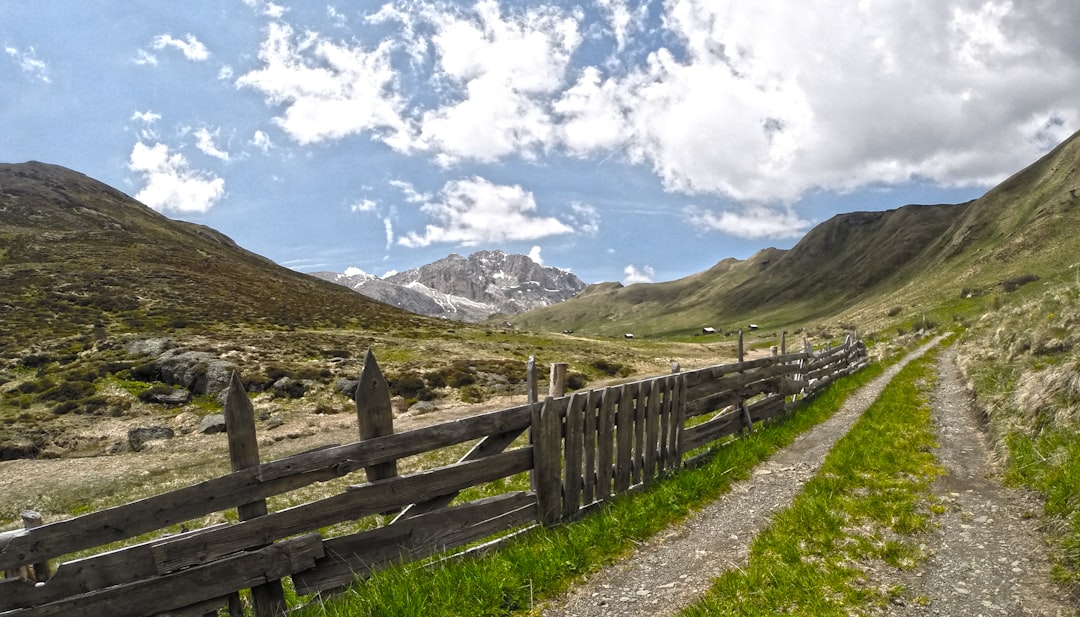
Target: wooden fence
point(582, 450)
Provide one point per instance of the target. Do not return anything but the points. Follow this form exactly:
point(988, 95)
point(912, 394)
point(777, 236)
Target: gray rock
point(149, 346)
point(173, 397)
point(273, 422)
point(138, 437)
point(199, 371)
point(214, 423)
point(293, 388)
point(346, 387)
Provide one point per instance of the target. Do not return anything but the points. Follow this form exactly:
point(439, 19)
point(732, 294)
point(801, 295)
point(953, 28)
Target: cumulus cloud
point(205, 142)
point(534, 254)
point(354, 271)
point(29, 63)
point(364, 205)
point(751, 222)
point(505, 67)
point(632, 275)
point(585, 218)
point(169, 182)
point(191, 47)
point(329, 90)
point(476, 211)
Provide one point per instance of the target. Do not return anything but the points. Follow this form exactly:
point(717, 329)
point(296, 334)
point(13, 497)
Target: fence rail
point(583, 450)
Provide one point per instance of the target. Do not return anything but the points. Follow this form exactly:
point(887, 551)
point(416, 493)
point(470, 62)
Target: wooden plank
point(573, 455)
point(666, 407)
point(191, 586)
point(149, 514)
point(605, 436)
point(721, 426)
point(357, 502)
point(557, 380)
point(268, 599)
point(357, 555)
point(374, 415)
point(488, 446)
point(116, 567)
point(588, 490)
point(399, 445)
point(697, 377)
point(547, 455)
point(652, 432)
point(732, 381)
point(678, 421)
point(637, 460)
point(766, 408)
point(624, 438)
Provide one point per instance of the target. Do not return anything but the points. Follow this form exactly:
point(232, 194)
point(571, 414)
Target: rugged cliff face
point(468, 288)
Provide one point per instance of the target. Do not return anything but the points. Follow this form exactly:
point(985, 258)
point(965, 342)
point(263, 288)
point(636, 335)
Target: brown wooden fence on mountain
point(582, 450)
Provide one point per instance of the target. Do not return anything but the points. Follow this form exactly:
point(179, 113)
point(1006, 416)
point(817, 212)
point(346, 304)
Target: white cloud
point(364, 205)
point(585, 218)
point(503, 68)
point(328, 90)
point(29, 63)
point(763, 101)
point(534, 254)
point(354, 271)
point(225, 73)
point(262, 141)
point(388, 225)
point(410, 193)
point(170, 183)
point(623, 20)
point(191, 47)
point(476, 211)
point(336, 17)
point(267, 8)
point(146, 117)
point(633, 275)
point(145, 58)
point(204, 141)
point(751, 222)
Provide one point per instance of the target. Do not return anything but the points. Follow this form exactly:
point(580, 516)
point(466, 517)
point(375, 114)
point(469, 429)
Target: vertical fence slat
point(665, 423)
point(547, 457)
point(678, 419)
point(588, 494)
point(652, 432)
point(605, 451)
point(624, 438)
point(640, 408)
point(574, 444)
point(268, 598)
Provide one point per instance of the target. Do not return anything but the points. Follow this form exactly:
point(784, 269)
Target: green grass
point(546, 561)
point(867, 506)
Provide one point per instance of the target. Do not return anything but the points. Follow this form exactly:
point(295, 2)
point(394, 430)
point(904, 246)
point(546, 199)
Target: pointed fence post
point(374, 415)
point(530, 380)
point(268, 598)
point(557, 384)
point(741, 351)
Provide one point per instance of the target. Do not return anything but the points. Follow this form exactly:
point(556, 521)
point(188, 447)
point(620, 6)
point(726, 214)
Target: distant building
point(753, 326)
point(708, 330)
point(628, 335)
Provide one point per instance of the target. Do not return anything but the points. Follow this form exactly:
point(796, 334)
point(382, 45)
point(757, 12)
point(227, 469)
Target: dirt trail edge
point(986, 556)
point(673, 568)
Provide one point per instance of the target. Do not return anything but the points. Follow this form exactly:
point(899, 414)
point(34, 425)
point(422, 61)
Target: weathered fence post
point(675, 367)
point(740, 350)
point(783, 343)
point(774, 350)
point(268, 598)
point(374, 415)
point(39, 572)
point(557, 384)
point(547, 460)
point(530, 380)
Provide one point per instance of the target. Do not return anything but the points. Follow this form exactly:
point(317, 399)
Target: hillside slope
point(78, 256)
point(858, 267)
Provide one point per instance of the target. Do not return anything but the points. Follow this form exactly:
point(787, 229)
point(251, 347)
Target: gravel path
point(674, 568)
point(986, 554)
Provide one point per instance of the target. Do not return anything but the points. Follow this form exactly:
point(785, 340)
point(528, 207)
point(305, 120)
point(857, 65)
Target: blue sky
point(620, 139)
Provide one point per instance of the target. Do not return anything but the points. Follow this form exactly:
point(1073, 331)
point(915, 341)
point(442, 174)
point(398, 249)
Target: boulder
point(346, 387)
point(214, 423)
point(175, 396)
point(138, 437)
point(185, 422)
point(293, 388)
point(199, 371)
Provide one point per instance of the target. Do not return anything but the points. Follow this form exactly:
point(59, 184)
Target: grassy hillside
point(871, 270)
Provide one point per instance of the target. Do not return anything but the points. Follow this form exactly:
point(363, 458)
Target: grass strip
point(863, 512)
point(545, 562)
